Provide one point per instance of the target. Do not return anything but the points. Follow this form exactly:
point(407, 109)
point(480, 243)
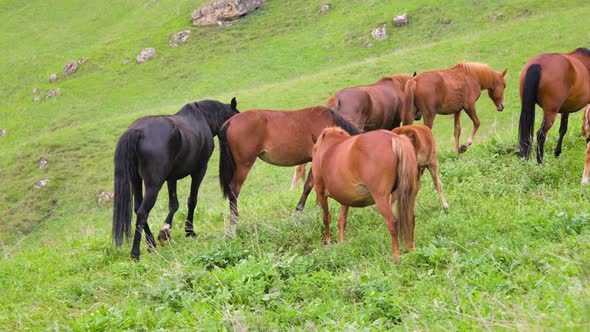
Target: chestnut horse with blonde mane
point(282, 138)
point(422, 139)
point(364, 170)
point(559, 83)
point(369, 107)
point(451, 90)
point(586, 134)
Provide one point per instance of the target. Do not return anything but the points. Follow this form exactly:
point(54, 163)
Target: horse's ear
point(314, 138)
point(234, 104)
point(504, 72)
point(414, 74)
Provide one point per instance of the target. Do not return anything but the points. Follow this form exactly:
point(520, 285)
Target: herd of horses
point(360, 153)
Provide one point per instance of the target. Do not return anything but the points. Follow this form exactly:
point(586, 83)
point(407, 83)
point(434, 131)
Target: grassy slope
point(493, 244)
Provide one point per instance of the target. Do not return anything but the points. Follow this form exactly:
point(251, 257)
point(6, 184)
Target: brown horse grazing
point(559, 83)
point(451, 90)
point(422, 139)
point(282, 138)
point(369, 107)
point(364, 170)
point(586, 134)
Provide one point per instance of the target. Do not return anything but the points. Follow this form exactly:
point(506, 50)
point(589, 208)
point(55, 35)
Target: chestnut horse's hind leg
point(299, 174)
point(384, 207)
point(562, 131)
point(433, 169)
point(236, 186)
point(476, 123)
point(307, 187)
point(586, 163)
point(322, 199)
point(164, 234)
point(548, 120)
point(342, 222)
point(196, 180)
point(457, 131)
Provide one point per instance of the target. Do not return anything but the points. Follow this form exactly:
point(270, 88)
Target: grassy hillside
point(511, 253)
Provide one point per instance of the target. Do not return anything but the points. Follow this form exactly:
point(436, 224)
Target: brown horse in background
point(282, 138)
point(451, 90)
point(364, 170)
point(586, 134)
point(369, 107)
point(559, 83)
point(422, 139)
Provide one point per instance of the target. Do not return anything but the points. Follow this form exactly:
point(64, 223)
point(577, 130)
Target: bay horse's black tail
point(341, 122)
point(227, 164)
point(125, 173)
point(527, 115)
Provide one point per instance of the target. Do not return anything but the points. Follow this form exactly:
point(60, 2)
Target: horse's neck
point(585, 59)
point(485, 81)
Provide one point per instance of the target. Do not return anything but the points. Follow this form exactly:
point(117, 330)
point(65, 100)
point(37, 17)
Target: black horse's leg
point(137, 187)
point(149, 200)
point(562, 131)
point(197, 178)
point(307, 187)
point(548, 120)
point(164, 234)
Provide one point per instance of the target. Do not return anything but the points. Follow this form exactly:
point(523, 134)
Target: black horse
point(158, 149)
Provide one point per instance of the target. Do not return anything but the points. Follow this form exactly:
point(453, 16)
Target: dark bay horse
point(282, 138)
point(559, 83)
point(364, 170)
point(422, 139)
point(369, 107)
point(158, 149)
point(451, 90)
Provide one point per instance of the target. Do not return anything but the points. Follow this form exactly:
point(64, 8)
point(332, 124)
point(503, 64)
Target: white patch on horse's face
point(166, 226)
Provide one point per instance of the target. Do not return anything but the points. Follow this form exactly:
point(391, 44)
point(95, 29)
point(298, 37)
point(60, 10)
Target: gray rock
point(3, 132)
point(497, 16)
point(70, 68)
point(104, 197)
point(36, 99)
point(379, 32)
point(401, 20)
point(42, 162)
point(41, 183)
point(53, 78)
point(82, 60)
point(324, 8)
point(35, 91)
point(224, 10)
point(145, 55)
point(181, 37)
point(53, 93)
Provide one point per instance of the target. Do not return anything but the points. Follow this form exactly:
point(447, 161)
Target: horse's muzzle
point(500, 108)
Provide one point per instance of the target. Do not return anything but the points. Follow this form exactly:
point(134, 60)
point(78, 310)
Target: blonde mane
point(486, 76)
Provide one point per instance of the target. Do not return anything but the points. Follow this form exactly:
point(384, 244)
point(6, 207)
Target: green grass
point(510, 254)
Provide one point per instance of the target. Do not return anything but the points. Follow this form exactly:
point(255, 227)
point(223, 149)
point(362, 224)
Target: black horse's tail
point(527, 115)
point(227, 164)
point(341, 122)
point(125, 172)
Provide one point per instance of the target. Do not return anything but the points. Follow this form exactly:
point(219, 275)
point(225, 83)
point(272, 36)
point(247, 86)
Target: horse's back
point(423, 141)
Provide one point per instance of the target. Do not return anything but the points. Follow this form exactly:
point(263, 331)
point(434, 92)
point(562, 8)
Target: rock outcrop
point(224, 10)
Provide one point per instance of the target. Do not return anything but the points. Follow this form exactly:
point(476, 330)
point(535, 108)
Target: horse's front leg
point(586, 163)
point(323, 201)
point(342, 222)
point(196, 180)
point(164, 234)
point(307, 187)
point(457, 132)
point(562, 131)
point(473, 116)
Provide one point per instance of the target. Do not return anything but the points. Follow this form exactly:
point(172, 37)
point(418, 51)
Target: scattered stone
point(181, 37)
point(379, 32)
point(145, 55)
point(104, 197)
point(126, 61)
point(443, 21)
point(367, 44)
point(3, 132)
point(224, 10)
point(324, 8)
point(41, 183)
point(53, 78)
point(53, 93)
point(42, 162)
point(497, 16)
point(82, 60)
point(401, 20)
point(70, 68)
point(35, 91)
point(36, 99)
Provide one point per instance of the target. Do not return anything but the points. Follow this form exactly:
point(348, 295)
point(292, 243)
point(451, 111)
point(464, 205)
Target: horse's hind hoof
point(164, 236)
point(462, 148)
point(190, 234)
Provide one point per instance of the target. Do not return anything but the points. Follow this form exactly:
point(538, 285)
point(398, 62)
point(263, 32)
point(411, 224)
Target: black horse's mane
point(583, 50)
point(212, 110)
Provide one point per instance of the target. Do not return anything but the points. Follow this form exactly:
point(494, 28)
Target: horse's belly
point(355, 195)
point(284, 157)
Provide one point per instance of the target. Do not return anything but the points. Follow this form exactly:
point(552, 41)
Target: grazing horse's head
point(496, 91)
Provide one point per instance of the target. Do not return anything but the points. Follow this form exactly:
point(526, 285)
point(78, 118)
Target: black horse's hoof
point(190, 234)
point(462, 148)
point(164, 236)
point(135, 257)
